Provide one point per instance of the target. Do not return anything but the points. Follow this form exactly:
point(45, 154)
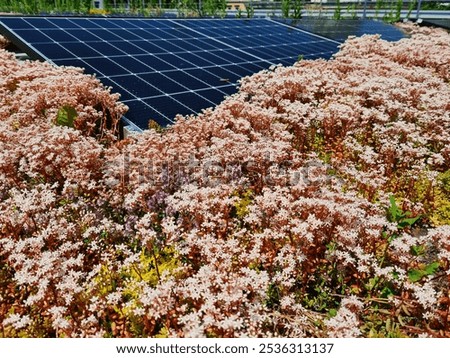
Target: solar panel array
point(340, 30)
point(165, 67)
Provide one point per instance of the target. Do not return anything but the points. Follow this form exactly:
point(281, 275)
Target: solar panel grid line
point(182, 92)
point(155, 111)
point(132, 64)
point(173, 99)
point(125, 93)
point(163, 95)
point(154, 62)
point(163, 83)
point(214, 77)
point(225, 44)
point(193, 67)
point(165, 105)
point(77, 43)
point(96, 38)
point(212, 66)
point(199, 58)
point(152, 112)
point(307, 32)
point(192, 80)
point(50, 27)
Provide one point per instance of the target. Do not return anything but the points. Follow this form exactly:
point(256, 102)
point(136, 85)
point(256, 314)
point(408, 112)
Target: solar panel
point(340, 30)
point(443, 22)
point(164, 67)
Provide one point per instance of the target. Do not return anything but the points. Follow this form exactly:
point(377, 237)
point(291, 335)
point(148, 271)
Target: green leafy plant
point(297, 7)
point(394, 12)
point(337, 15)
point(285, 8)
point(441, 203)
point(241, 207)
point(402, 218)
point(212, 8)
point(250, 11)
point(435, 5)
point(411, 6)
point(351, 9)
point(379, 5)
point(186, 8)
point(415, 275)
point(66, 116)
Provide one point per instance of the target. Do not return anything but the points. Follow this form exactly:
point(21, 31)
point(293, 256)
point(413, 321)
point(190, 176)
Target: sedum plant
point(312, 203)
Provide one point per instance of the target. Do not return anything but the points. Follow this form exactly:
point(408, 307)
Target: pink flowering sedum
point(314, 202)
point(3, 42)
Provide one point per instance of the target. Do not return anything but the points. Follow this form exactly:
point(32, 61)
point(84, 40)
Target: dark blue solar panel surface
point(165, 67)
point(340, 30)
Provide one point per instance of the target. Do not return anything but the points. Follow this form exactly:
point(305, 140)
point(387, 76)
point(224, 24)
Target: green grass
point(45, 6)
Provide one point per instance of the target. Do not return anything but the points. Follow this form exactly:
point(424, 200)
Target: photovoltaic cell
point(56, 51)
point(165, 67)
